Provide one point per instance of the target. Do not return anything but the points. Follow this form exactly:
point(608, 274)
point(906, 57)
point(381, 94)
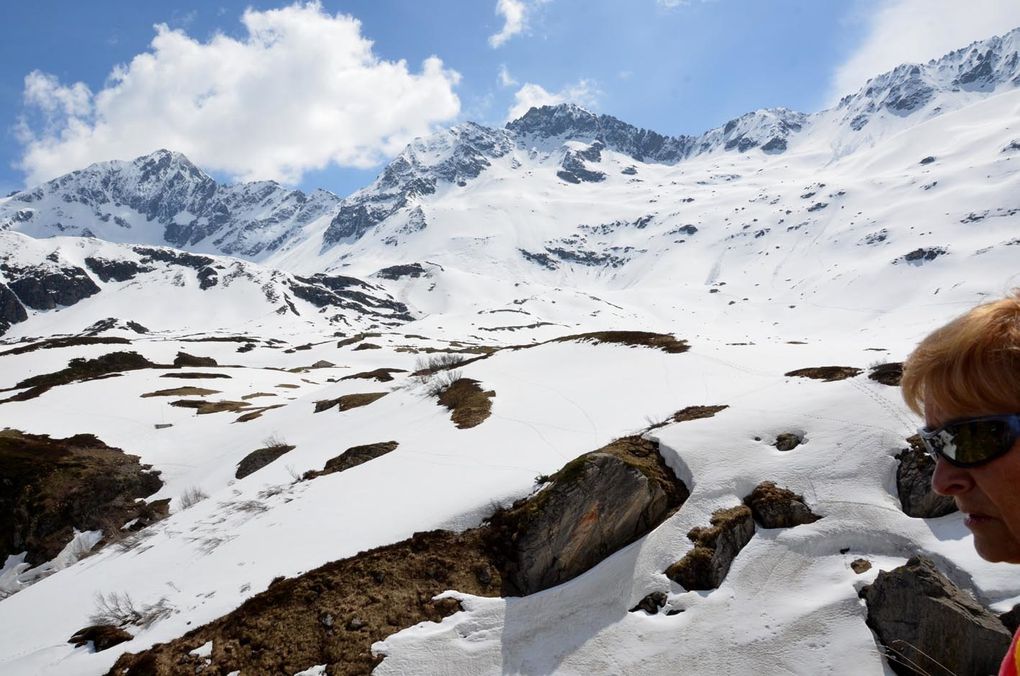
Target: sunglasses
point(970, 442)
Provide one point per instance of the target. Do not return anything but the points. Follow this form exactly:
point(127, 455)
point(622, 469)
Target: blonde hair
point(970, 365)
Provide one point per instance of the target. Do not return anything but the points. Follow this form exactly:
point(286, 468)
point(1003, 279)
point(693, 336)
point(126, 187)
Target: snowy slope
point(832, 245)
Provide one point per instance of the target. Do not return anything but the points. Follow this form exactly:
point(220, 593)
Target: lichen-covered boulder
point(928, 625)
point(595, 505)
point(774, 507)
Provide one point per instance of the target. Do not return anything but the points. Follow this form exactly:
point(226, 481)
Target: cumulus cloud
point(514, 13)
point(914, 31)
point(583, 93)
point(302, 90)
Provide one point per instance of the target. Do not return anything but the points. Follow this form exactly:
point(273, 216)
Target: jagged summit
point(981, 67)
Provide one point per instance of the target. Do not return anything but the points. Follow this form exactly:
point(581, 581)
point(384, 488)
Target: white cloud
point(505, 78)
point(583, 93)
point(302, 90)
point(914, 31)
point(514, 13)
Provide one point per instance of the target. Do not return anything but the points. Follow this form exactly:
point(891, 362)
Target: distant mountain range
point(415, 210)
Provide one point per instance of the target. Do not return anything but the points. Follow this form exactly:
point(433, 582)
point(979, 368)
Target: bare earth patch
point(194, 375)
point(382, 375)
point(255, 413)
point(690, 413)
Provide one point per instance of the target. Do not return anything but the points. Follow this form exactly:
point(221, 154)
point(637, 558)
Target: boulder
point(259, 458)
point(715, 548)
point(595, 505)
point(913, 484)
point(651, 603)
point(787, 441)
point(774, 507)
point(927, 625)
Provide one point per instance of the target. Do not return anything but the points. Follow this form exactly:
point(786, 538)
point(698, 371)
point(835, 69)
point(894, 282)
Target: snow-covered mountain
point(728, 308)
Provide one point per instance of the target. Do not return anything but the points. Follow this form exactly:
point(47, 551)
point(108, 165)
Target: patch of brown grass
point(349, 401)
point(203, 407)
point(690, 413)
point(660, 341)
point(333, 615)
point(382, 375)
point(256, 413)
point(181, 392)
point(352, 457)
point(826, 373)
point(257, 394)
point(469, 404)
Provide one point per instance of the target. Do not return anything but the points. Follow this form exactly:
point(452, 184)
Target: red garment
point(1012, 659)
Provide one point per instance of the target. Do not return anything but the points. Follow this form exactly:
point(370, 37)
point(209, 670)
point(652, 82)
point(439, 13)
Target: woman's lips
point(976, 519)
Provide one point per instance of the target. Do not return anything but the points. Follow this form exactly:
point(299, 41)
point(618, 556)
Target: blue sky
point(253, 95)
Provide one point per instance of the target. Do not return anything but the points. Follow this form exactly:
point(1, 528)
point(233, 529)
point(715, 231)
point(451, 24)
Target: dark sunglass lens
point(978, 441)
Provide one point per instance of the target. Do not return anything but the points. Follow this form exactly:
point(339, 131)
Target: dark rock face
point(395, 272)
point(923, 619)
point(571, 122)
point(927, 160)
point(259, 458)
point(774, 507)
point(574, 170)
point(595, 505)
point(353, 457)
point(11, 309)
point(922, 255)
point(651, 603)
point(45, 288)
point(706, 566)
point(913, 483)
point(115, 270)
point(49, 487)
point(787, 441)
point(347, 293)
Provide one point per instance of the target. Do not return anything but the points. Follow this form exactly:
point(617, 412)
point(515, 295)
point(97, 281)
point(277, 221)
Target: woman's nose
point(950, 480)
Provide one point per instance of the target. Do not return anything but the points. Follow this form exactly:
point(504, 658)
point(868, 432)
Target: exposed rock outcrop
point(332, 615)
point(259, 458)
point(715, 548)
point(787, 441)
point(913, 483)
point(928, 625)
point(774, 507)
point(592, 507)
point(11, 309)
point(51, 487)
point(353, 457)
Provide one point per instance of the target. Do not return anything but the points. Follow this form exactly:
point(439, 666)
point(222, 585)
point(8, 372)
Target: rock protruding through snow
point(715, 547)
point(928, 625)
point(593, 506)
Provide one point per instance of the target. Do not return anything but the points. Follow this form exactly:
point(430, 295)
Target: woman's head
point(964, 379)
point(969, 365)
